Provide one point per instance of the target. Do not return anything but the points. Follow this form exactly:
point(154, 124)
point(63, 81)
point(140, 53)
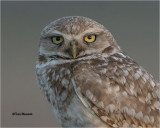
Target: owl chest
point(59, 80)
point(66, 105)
point(72, 113)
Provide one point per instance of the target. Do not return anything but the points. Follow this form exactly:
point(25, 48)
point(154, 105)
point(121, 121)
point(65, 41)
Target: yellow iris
point(90, 38)
point(57, 39)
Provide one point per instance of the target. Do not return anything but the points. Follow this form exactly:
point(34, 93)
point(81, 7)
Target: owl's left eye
point(57, 39)
point(89, 38)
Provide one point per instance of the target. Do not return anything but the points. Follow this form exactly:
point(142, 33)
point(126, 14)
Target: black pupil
point(58, 38)
point(89, 37)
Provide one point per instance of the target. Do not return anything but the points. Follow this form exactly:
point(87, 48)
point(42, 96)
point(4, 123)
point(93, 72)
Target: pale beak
point(74, 51)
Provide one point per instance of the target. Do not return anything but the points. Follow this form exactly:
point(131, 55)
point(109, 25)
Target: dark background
point(134, 25)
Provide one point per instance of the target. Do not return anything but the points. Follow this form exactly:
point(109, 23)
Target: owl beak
point(74, 51)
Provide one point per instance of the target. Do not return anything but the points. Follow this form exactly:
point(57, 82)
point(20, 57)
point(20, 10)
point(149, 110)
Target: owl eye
point(57, 39)
point(89, 38)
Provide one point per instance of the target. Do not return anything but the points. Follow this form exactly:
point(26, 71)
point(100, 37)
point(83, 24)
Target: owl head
point(73, 37)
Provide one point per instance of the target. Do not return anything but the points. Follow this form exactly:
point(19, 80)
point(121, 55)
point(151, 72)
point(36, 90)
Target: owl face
point(73, 37)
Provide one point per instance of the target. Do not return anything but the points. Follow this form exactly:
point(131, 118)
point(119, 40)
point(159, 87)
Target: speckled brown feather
point(115, 95)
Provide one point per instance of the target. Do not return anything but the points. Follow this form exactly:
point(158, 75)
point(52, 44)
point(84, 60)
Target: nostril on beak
point(76, 43)
point(73, 42)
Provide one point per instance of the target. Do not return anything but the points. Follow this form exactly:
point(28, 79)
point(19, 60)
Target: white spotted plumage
point(102, 86)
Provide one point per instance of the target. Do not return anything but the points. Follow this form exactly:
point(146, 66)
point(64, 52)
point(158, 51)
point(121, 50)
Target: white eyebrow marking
point(51, 33)
point(57, 32)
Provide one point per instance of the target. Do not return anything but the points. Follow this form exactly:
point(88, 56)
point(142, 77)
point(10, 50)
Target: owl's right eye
point(90, 38)
point(57, 39)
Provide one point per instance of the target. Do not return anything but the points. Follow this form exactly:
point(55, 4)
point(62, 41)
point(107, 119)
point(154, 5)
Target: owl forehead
point(73, 25)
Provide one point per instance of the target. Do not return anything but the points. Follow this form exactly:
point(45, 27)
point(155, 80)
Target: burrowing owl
point(89, 81)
